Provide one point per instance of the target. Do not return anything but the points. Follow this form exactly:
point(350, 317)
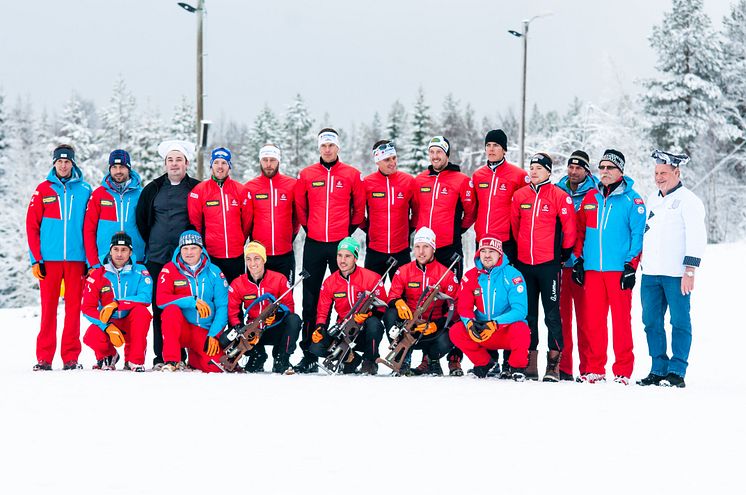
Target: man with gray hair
point(673, 245)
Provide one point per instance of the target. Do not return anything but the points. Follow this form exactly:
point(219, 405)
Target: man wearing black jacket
point(161, 217)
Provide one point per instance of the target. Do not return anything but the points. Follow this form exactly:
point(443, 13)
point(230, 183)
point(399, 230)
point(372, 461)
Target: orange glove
point(318, 334)
point(203, 308)
point(253, 339)
point(480, 333)
point(403, 310)
point(270, 319)
point(426, 328)
point(212, 347)
point(115, 335)
point(361, 317)
point(38, 271)
point(107, 310)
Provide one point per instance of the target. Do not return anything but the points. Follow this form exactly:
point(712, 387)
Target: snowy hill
point(92, 432)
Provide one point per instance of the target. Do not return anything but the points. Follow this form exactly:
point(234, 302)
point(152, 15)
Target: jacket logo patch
point(525, 206)
point(379, 195)
point(517, 280)
point(589, 207)
point(638, 201)
point(283, 197)
point(261, 196)
point(413, 285)
point(234, 202)
point(338, 295)
point(483, 185)
point(503, 187)
point(425, 189)
point(545, 208)
point(568, 200)
point(477, 292)
point(249, 297)
point(444, 190)
point(339, 184)
point(399, 196)
point(49, 199)
point(212, 203)
point(318, 183)
point(180, 283)
point(106, 202)
point(193, 195)
point(106, 288)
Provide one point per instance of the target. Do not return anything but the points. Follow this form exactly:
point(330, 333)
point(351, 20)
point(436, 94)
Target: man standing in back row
point(330, 204)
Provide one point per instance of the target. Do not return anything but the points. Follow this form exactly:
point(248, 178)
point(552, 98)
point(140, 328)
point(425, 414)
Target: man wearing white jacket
point(673, 245)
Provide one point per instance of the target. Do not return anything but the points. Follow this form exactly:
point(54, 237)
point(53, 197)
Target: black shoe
point(651, 379)
point(351, 367)
point(309, 364)
point(257, 358)
point(672, 380)
point(42, 366)
point(110, 362)
point(369, 368)
point(454, 365)
point(484, 370)
point(281, 363)
point(566, 377)
point(72, 365)
point(495, 371)
point(434, 368)
point(518, 374)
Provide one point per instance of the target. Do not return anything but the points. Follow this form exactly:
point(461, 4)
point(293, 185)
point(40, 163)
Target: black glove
point(627, 281)
point(578, 272)
point(565, 254)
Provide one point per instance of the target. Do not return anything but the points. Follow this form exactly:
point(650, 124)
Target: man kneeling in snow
point(116, 299)
point(492, 304)
point(193, 294)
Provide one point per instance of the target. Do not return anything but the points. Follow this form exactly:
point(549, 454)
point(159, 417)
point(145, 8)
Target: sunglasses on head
point(385, 146)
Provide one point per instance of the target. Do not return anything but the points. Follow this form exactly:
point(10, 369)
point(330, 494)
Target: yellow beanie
point(255, 247)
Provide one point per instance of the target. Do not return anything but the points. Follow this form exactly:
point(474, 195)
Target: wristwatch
point(689, 273)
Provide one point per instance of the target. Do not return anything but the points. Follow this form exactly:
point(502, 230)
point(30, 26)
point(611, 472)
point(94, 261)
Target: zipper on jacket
point(64, 221)
point(272, 206)
point(390, 193)
point(224, 212)
point(433, 197)
point(326, 212)
point(489, 201)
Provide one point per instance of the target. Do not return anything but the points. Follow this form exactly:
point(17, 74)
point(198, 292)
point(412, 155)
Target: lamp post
point(200, 11)
point(524, 35)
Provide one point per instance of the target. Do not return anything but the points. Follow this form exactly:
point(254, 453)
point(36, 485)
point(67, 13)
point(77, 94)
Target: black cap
point(615, 157)
point(121, 239)
point(497, 136)
point(542, 159)
point(580, 158)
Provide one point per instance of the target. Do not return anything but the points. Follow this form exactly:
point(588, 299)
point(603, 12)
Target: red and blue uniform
point(111, 209)
point(54, 229)
point(132, 289)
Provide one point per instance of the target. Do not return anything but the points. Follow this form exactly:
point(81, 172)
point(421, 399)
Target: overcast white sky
point(347, 58)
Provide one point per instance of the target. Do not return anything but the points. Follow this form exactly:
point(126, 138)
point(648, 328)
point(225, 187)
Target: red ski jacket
point(243, 291)
point(444, 202)
point(411, 280)
point(344, 292)
point(494, 190)
point(543, 221)
point(388, 201)
point(222, 215)
point(328, 201)
point(275, 222)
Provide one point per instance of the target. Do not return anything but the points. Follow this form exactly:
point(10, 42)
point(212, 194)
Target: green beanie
point(351, 245)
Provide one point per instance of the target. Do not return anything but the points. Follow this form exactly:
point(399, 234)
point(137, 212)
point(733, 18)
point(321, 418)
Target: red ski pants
point(178, 333)
point(602, 291)
point(135, 328)
point(572, 295)
point(72, 272)
point(515, 337)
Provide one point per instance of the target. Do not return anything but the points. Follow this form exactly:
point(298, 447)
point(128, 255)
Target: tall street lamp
point(524, 35)
point(200, 11)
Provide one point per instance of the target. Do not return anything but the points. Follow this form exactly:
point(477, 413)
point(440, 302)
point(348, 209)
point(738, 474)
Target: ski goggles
point(663, 157)
point(384, 151)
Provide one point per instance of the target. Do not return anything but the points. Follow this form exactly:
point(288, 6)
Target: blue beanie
point(189, 238)
point(223, 153)
point(64, 151)
point(120, 157)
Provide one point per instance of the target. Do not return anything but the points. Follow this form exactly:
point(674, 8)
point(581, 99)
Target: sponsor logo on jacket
point(413, 285)
point(106, 202)
point(426, 189)
point(525, 206)
point(212, 203)
point(261, 196)
point(339, 295)
point(318, 183)
point(249, 297)
point(49, 199)
point(379, 195)
point(180, 283)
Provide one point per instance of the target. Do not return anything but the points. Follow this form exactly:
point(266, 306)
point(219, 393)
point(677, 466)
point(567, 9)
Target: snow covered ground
point(97, 432)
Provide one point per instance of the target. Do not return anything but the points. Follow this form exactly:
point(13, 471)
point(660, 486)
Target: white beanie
point(425, 235)
point(184, 147)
